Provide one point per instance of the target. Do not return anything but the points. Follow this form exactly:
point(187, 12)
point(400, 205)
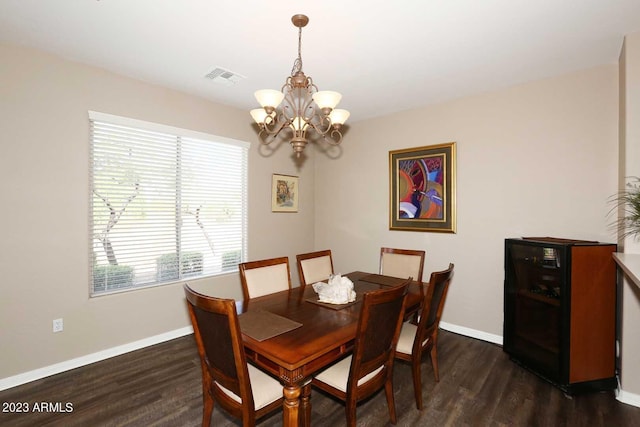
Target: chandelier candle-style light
point(303, 107)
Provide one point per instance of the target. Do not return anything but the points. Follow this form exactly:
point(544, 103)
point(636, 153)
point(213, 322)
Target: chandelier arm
point(294, 107)
point(287, 110)
point(300, 98)
point(266, 137)
point(311, 85)
point(334, 138)
point(330, 135)
point(311, 89)
point(308, 106)
point(320, 127)
point(278, 124)
point(287, 86)
point(310, 113)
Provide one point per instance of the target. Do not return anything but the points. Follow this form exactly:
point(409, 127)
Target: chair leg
point(434, 362)
point(417, 380)
point(350, 409)
point(207, 409)
point(388, 388)
point(249, 421)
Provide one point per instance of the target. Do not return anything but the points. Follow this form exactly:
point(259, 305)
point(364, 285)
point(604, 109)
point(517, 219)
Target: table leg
point(305, 405)
point(290, 405)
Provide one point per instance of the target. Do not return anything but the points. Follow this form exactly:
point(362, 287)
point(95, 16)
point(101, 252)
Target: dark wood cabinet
point(560, 310)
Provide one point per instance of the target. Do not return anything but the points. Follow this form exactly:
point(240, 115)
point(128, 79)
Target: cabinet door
point(533, 309)
point(593, 316)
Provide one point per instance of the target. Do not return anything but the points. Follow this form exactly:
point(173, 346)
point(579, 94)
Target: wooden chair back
point(377, 333)
point(314, 266)
point(264, 277)
point(402, 263)
point(219, 340)
point(370, 367)
point(433, 306)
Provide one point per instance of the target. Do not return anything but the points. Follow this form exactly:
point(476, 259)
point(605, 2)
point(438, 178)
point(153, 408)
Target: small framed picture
point(284, 193)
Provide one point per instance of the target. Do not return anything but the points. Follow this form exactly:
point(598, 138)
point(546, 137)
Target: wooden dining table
point(325, 334)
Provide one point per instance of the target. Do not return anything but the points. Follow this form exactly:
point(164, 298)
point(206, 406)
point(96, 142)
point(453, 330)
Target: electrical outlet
point(58, 326)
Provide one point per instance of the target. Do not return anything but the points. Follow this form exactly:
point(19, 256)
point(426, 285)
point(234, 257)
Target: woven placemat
point(262, 325)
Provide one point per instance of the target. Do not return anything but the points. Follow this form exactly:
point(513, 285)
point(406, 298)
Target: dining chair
point(402, 263)
point(314, 266)
point(416, 340)
point(264, 277)
point(241, 389)
point(370, 366)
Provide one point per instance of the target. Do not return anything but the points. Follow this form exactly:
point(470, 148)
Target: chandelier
point(304, 108)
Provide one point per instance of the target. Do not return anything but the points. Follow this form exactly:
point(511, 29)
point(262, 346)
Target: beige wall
point(44, 197)
point(535, 159)
point(630, 166)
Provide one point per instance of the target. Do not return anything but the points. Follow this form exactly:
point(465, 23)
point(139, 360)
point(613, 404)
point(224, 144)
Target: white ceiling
point(383, 56)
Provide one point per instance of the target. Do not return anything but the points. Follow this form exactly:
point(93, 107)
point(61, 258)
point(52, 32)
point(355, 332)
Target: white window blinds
point(166, 204)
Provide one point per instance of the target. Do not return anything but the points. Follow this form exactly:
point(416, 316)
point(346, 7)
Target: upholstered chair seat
point(407, 337)
point(337, 375)
point(265, 389)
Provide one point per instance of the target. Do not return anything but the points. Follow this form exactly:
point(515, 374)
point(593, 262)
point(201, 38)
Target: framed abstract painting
point(284, 193)
point(422, 188)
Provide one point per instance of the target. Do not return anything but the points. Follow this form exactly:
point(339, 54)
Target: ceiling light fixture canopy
point(303, 108)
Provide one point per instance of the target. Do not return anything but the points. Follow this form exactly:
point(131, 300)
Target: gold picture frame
point(422, 187)
point(284, 193)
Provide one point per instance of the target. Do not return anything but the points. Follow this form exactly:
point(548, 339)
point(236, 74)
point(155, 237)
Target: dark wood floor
point(160, 386)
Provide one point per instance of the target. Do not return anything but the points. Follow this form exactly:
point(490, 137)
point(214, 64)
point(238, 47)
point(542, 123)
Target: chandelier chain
point(297, 64)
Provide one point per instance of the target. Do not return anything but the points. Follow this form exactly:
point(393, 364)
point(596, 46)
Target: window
point(166, 204)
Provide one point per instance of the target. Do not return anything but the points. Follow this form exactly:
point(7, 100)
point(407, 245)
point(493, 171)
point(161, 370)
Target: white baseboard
point(628, 398)
point(473, 333)
point(67, 365)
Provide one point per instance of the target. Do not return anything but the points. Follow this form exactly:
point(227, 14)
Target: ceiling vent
point(224, 77)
